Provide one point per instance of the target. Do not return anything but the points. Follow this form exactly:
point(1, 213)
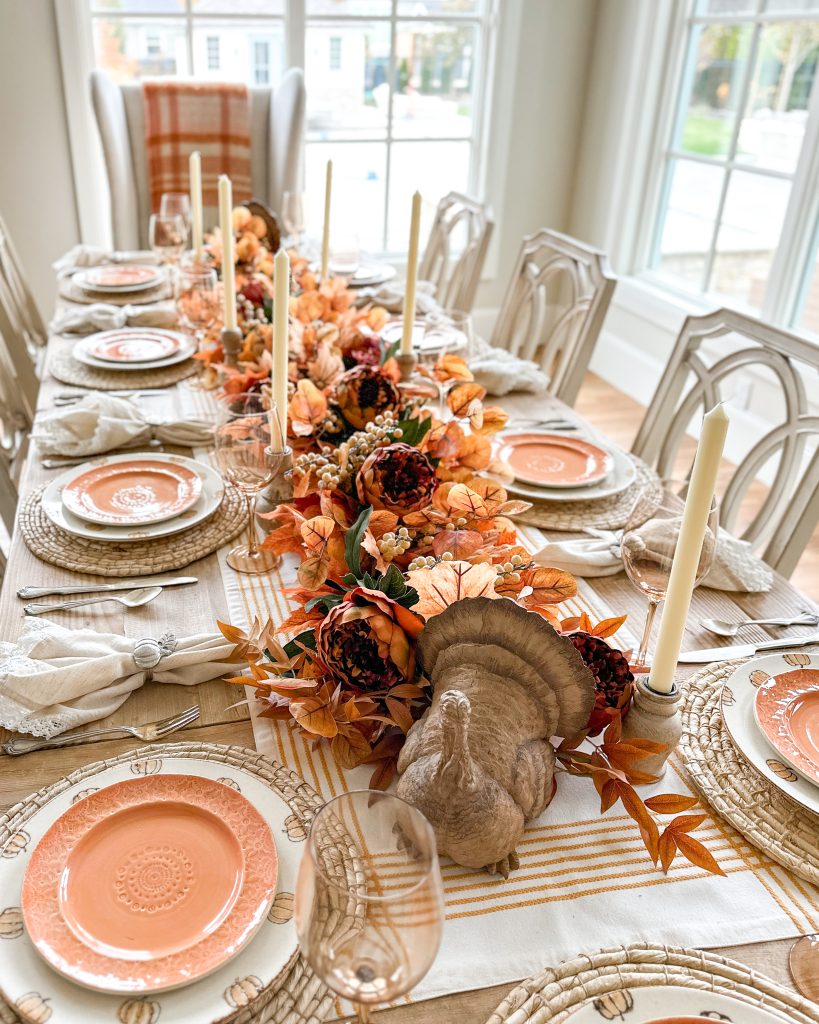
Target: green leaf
point(297, 644)
point(390, 351)
point(393, 583)
point(328, 600)
point(414, 431)
point(352, 542)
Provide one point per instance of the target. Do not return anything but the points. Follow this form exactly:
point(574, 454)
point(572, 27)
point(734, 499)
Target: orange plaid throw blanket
point(211, 117)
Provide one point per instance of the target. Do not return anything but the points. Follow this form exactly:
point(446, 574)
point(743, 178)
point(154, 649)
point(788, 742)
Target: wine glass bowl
point(177, 204)
point(369, 900)
point(446, 332)
point(197, 299)
point(167, 236)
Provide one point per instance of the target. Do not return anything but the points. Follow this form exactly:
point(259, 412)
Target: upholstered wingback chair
point(276, 133)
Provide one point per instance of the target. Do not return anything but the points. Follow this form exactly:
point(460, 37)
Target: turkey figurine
point(479, 764)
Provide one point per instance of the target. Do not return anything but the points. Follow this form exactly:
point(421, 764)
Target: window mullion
point(295, 29)
point(189, 34)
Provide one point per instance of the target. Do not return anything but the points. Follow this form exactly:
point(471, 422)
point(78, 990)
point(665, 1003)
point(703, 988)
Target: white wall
point(36, 183)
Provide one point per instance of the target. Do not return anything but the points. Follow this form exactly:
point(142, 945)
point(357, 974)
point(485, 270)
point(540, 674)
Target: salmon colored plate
point(127, 277)
point(150, 883)
point(133, 492)
point(134, 345)
point(550, 460)
point(787, 711)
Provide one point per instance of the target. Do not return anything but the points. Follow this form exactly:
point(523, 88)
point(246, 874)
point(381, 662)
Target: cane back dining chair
point(276, 122)
point(464, 226)
point(726, 354)
point(554, 307)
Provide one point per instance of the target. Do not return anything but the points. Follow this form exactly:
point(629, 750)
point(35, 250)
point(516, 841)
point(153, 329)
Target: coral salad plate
point(134, 491)
point(134, 345)
point(149, 884)
point(552, 460)
point(122, 277)
point(787, 711)
point(669, 1004)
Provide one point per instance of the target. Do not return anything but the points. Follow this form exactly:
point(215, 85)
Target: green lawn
point(706, 134)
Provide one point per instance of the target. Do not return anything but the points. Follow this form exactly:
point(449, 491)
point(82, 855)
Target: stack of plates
point(557, 467)
point(368, 273)
point(770, 707)
point(135, 349)
point(120, 279)
point(427, 337)
point(133, 497)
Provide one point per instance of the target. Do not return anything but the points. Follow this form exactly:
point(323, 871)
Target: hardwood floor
point(618, 415)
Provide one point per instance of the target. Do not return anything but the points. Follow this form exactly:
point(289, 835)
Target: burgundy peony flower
point(398, 478)
point(254, 293)
point(363, 393)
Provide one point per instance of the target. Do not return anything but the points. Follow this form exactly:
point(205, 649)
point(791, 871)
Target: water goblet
point(369, 903)
point(177, 204)
point(249, 452)
point(649, 542)
point(167, 235)
point(197, 299)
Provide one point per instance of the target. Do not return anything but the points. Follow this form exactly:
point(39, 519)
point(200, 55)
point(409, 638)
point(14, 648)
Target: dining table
point(226, 719)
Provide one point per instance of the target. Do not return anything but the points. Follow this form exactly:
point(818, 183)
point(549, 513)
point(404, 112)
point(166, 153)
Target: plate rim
point(812, 773)
point(196, 487)
point(567, 440)
point(596, 492)
point(187, 349)
point(174, 336)
point(85, 271)
point(799, 790)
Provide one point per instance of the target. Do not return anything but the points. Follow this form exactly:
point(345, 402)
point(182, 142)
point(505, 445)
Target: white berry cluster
point(429, 561)
point(253, 316)
point(335, 470)
point(510, 571)
point(391, 545)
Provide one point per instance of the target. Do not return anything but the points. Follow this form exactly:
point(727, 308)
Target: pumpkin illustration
point(728, 697)
point(614, 1005)
point(34, 1008)
point(138, 1011)
point(16, 843)
point(782, 770)
point(11, 923)
point(758, 677)
point(243, 991)
point(295, 827)
point(797, 659)
point(83, 793)
point(714, 1015)
point(147, 766)
point(282, 909)
point(230, 783)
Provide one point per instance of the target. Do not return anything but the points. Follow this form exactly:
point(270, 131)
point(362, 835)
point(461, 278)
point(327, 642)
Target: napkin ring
point(149, 652)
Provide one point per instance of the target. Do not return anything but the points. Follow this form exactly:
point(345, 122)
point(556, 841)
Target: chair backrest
point(16, 416)
point(456, 250)
point(723, 355)
point(276, 134)
point(554, 307)
point(18, 311)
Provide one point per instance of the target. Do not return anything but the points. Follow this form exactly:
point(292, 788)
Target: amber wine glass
point(649, 542)
point(197, 299)
point(369, 899)
point(249, 452)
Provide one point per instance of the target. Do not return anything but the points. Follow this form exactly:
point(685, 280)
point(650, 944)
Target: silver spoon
point(723, 628)
point(133, 599)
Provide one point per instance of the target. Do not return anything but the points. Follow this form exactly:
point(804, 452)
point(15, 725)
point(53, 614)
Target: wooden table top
point(222, 722)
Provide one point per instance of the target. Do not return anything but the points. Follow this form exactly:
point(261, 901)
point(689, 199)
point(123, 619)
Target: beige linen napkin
point(735, 568)
point(500, 372)
point(101, 316)
point(100, 422)
point(97, 255)
point(54, 679)
point(391, 297)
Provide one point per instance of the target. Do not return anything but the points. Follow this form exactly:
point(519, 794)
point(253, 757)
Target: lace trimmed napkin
point(96, 256)
point(99, 422)
point(54, 679)
point(501, 372)
point(391, 297)
point(101, 316)
point(735, 566)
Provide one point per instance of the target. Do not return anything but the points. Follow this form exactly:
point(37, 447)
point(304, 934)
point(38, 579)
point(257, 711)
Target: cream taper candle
point(195, 174)
point(325, 235)
point(412, 275)
point(228, 266)
point(281, 332)
point(689, 547)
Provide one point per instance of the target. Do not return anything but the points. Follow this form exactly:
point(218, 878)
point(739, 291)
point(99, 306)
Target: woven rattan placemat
point(785, 831)
point(297, 996)
point(69, 370)
point(134, 558)
point(556, 993)
point(605, 514)
point(69, 289)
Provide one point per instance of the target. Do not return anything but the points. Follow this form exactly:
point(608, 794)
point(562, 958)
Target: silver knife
point(99, 588)
point(745, 650)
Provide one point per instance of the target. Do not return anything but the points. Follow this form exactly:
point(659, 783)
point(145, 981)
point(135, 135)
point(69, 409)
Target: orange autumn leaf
point(493, 420)
point(686, 822)
point(448, 582)
point(313, 571)
point(670, 803)
point(493, 494)
point(462, 398)
point(463, 499)
point(317, 531)
point(460, 543)
point(693, 850)
point(667, 849)
point(400, 713)
point(549, 586)
point(314, 715)
point(308, 407)
point(453, 367)
point(608, 627)
point(475, 452)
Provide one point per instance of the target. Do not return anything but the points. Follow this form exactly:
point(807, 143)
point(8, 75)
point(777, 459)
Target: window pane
point(128, 48)
point(433, 169)
point(434, 80)
point(774, 123)
point(793, 6)
point(359, 176)
point(809, 319)
point(688, 224)
point(714, 80)
point(260, 7)
point(248, 51)
point(725, 6)
point(369, 8)
point(429, 8)
point(139, 6)
point(748, 235)
point(346, 71)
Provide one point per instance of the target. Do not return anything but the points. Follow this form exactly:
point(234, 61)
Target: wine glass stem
point(252, 543)
point(642, 654)
point(363, 1013)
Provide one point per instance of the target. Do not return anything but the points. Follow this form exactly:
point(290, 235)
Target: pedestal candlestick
point(280, 488)
point(407, 363)
point(232, 345)
point(654, 716)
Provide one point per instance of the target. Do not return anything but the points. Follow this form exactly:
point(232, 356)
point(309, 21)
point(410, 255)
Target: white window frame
point(791, 268)
point(213, 54)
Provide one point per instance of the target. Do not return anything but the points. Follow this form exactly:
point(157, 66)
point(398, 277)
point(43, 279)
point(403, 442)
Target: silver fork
point(150, 732)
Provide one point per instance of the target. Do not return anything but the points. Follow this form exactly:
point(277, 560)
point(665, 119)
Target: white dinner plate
point(82, 352)
point(621, 477)
point(40, 994)
point(370, 273)
point(426, 337)
point(737, 705)
point(669, 1002)
point(213, 490)
point(93, 278)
